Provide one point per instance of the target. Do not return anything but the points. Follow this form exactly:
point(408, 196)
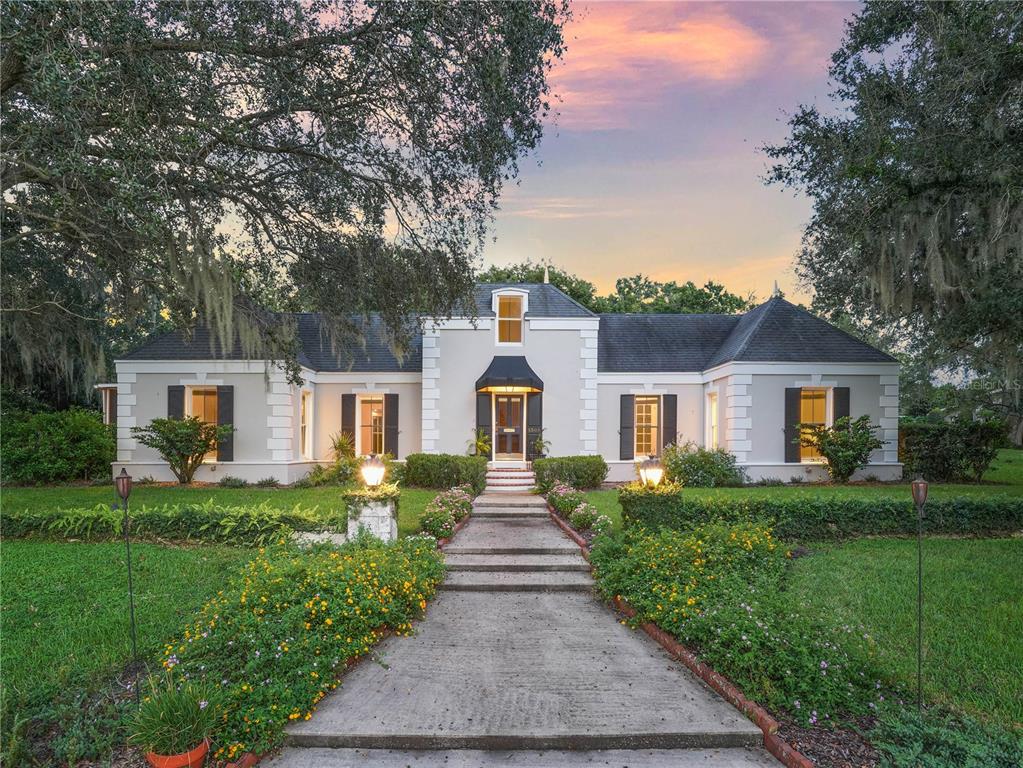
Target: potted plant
point(174, 723)
point(541, 446)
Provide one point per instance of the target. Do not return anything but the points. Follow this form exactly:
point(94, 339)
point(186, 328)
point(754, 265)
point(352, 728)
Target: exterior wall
point(327, 411)
point(690, 424)
point(875, 395)
point(562, 353)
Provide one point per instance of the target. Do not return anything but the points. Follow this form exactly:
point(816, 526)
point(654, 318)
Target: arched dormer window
point(510, 306)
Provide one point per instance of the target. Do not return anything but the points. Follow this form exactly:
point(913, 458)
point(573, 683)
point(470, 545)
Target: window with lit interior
point(813, 409)
point(712, 421)
point(647, 425)
point(305, 429)
point(371, 426)
point(509, 319)
point(203, 404)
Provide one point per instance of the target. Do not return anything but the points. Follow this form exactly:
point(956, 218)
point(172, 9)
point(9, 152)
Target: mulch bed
point(833, 747)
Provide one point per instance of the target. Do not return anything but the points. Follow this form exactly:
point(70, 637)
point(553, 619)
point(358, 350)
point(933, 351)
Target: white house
point(534, 362)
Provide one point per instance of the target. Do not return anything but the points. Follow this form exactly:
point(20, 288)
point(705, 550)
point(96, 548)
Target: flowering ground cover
point(64, 624)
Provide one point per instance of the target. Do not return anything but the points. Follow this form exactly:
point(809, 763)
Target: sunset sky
point(653, 162)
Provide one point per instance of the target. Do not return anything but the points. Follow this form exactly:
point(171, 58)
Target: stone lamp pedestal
point(379, 517)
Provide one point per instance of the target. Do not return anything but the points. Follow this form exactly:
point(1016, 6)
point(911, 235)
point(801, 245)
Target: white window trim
point(495, 297)
point(712, 420)
point(306, 450)
point(658, 438)
point(829, 410)
point(359, 397)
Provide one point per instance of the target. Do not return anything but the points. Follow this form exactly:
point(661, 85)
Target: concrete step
point(506, 512)
point(508, 563)
point(520, 581)
point(508, 488)
point(509, 500)
point(512, 536)
point(511, 473)
point(734, 757)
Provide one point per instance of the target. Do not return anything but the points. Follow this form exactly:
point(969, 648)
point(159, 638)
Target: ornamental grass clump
point(718, 588)
point(274, 642)
point(175, 717)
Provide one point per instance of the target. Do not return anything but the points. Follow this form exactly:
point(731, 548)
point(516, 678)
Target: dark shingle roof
point(545, 300)
point(775, 331)
point(373, 354)
point(780, 332)
point(660, 343)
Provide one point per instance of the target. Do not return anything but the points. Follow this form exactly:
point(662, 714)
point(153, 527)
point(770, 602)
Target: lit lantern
point(651, 472)
point(373, 471)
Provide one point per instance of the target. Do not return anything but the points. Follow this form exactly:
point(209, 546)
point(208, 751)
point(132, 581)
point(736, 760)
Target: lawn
point(973, 613)
point(410, 507)
point(64, 622)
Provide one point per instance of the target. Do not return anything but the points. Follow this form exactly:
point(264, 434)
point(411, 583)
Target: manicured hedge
point(821, 516)
point(576, 471)
point(209, 522)
point(444, 470)
point(55, 447)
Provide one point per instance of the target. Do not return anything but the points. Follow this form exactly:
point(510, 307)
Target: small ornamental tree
point(846, 446)
point(182, 443)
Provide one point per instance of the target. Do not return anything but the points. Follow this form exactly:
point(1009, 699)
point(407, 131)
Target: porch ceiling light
point(651, 472)
point(373, 471)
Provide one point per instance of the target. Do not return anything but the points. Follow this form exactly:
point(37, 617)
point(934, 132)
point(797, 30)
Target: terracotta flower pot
point(194, 758)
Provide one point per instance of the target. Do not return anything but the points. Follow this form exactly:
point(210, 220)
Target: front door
point(508, 427)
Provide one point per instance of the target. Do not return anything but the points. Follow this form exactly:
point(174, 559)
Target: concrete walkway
point(518, 664)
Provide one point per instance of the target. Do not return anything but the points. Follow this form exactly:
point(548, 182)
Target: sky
point(653, 164)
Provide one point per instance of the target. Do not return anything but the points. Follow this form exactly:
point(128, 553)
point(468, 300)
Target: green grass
point(1007, 468)
point(64, 616)
point(410, 507)
point(973, 613)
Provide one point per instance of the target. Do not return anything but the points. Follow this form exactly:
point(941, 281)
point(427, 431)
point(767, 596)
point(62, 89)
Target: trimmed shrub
point(950, 451)
point(182, 443)
point(577, 471)
point(344, 470)
point(691, 465)
point(564, 499)
point(275, 641)
point(583, 517)
point(445, 470)
point(846, 446)
point(717, 588)
point(821, 516)
point(267, 482)
point(229, 481)
point(207, 522)
point(55, 447)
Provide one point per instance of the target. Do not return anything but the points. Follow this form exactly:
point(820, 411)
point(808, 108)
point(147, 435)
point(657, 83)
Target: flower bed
point(206, 522)
point(276, 640)
point(446, 510)
point(716, 588)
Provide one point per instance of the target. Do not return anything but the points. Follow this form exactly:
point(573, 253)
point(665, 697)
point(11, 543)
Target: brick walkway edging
point(774, 744)
point(249, 759)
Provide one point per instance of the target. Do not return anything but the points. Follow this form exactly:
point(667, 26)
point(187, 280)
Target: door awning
point(509, 374)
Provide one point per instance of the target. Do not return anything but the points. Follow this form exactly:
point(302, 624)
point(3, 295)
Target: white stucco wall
point(565, 358)
point(327, 411)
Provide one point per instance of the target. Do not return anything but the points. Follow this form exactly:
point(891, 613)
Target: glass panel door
point(508, 410)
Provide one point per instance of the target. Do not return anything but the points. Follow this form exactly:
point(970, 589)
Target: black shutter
point(669, 420)
point(176, 402)
point(792, 401)
point(484, 417)
point(391, 425)
point(348, 417)
point(840, 397)
point(113, 407)
point(534, 423)
point(225, 415)
point(627, 431)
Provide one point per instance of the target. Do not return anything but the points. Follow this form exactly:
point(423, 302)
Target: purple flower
point(203, 704)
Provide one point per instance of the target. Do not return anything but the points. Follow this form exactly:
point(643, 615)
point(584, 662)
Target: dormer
point(509, 306)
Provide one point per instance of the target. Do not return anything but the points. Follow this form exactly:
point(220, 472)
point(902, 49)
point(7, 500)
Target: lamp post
point(373, 471)
point(123, 484)
point(651, 472)
point(919, 488)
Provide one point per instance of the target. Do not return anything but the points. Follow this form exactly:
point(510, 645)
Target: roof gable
point(545, 300)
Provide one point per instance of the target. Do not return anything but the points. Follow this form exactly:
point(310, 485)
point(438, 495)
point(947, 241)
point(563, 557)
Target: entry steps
point(510, 480)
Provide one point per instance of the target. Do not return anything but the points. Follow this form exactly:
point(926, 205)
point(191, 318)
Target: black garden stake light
point(919, 488)
point(123, 483)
